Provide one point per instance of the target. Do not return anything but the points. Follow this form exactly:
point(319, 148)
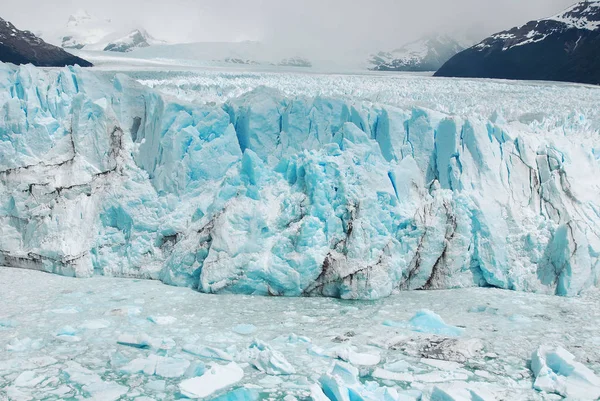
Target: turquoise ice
point(290, 195)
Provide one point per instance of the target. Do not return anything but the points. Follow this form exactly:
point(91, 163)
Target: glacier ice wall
point(276, 195)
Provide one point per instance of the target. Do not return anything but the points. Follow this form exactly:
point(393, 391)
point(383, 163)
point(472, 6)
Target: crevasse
point(292, 196)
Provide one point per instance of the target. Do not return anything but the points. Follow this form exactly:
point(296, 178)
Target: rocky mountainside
point(426, 54)
point(565, 47)
point(23, 47)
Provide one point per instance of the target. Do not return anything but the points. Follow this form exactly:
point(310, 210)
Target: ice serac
point(276, 195)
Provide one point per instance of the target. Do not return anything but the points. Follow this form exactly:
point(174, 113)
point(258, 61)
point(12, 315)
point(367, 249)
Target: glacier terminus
point(261, 186)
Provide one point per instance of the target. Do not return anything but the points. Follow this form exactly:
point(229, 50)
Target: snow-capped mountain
point(295, 62)
point(564, 47)
point(426, 54)
point(84, 31)
point(136, 39)
point(22, 47)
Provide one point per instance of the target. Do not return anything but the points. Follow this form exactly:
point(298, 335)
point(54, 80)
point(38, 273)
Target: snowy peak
point(138, 38)
point(85, 31)
point(584, 15)
point(425, 54)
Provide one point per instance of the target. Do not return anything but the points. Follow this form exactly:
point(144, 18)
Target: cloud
point(319, 25)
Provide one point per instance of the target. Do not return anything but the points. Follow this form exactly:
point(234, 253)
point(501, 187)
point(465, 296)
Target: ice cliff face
point(286, 196)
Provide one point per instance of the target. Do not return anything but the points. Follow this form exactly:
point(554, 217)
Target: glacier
point(268, 193)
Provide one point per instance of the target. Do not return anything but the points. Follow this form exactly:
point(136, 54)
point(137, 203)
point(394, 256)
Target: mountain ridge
point(563, 47)
point(23, 47)
point(425, 54)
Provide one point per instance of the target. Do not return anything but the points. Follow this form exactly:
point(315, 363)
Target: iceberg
point(267, 360)
point(426, 321)
point(556, 371)
point(215, 379)
point(291, 195)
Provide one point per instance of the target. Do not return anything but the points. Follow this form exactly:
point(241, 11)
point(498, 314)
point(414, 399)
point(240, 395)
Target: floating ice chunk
point(442, 376)
point(317, 394)
point(92, 384)
point(207, 352)
point(319, 351)
point(409, 395)
point(162, 320)
point(484, 374)
point(426, 321)
point(556, 371)
point(443, 365)
point(295, 339)
point(140, 365)
point(429, 322)
point(450, 393)
point(68, 338)
point(105, 391)
point(117, 359)
point(334, 388)
point(461, 391)
point(142, 341)
point(28, 379)
point(217, 378)
point(156, 385)
point(17, 345)
point(66, 331)
point(398, 366)
point(94, 324)
point(157, 365)
point(17, 394)
point(267, 360)
point(385, 374)
point(240, 394)
point(335, 384)
point(342, 384)
point(196, 368)
point(357, 358)
point(348, 373)
point(244, 329)
point(171, 367)
point(270, 381)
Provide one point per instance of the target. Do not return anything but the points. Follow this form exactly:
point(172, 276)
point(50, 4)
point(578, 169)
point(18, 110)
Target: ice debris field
point(358, 187)
point(107, 339)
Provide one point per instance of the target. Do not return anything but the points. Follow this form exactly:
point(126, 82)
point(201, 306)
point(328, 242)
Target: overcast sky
point(346, 24)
